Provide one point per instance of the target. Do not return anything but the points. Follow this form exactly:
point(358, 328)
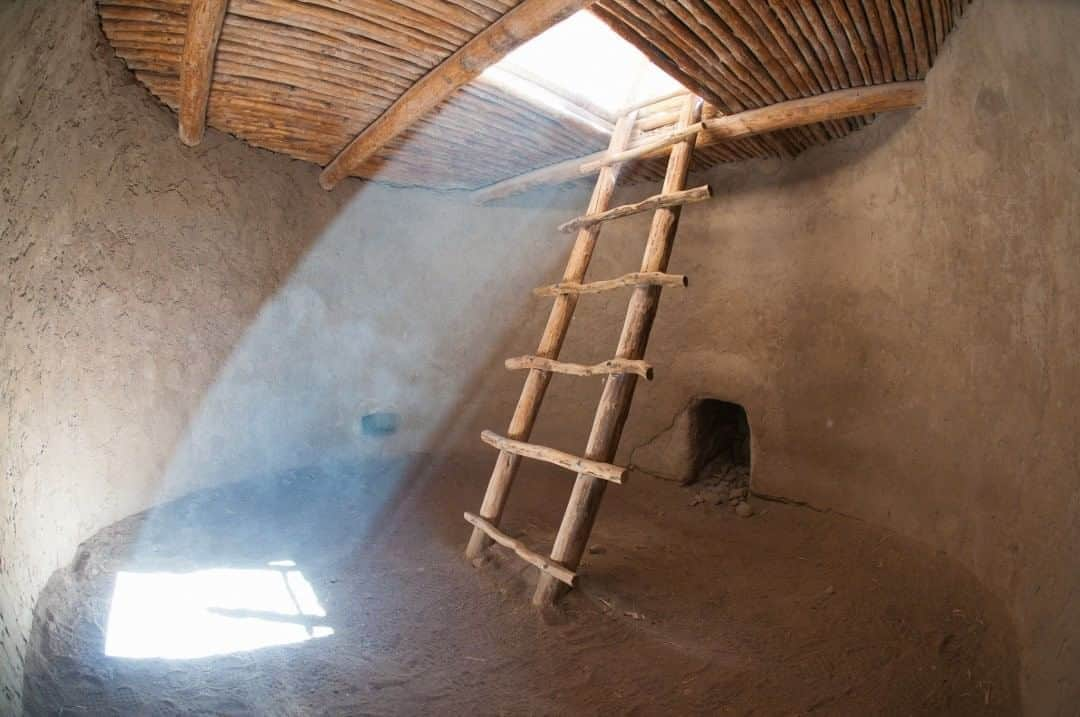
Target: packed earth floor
point(684, 607)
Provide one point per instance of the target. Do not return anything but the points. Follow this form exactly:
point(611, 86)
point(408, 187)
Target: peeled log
point(575, 464)
point(657, 201)
point(605, 368)
point(205, 18)
point(546, 565)
point(637, 278)
point(854, 102)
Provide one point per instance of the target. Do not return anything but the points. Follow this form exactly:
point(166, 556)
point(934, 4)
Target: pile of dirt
point(724, 483)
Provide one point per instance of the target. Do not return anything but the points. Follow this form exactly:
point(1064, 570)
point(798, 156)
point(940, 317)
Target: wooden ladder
point(594, 469)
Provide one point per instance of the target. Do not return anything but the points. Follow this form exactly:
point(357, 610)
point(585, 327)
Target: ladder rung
point(554, 569)
point(656, 121)
point(662, 99)
point(576, 464)
point(615, 365)
point(626, 155)
point(657, 201)
point(638, 278)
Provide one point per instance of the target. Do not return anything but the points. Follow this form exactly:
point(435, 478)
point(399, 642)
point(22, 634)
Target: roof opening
point(583, 62)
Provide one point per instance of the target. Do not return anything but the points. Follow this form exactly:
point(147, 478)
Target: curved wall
point(898, 314)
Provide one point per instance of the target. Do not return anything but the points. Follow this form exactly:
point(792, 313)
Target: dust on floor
point(683, 608)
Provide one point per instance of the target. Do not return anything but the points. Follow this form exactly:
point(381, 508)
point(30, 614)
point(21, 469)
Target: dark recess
point(719, 439)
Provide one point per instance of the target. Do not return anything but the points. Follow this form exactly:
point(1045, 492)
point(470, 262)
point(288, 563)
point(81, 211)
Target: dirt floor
point(683, 608)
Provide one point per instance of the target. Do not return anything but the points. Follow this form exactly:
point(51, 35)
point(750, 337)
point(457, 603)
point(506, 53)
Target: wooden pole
point(576, 464)
point(524, 22)
point(562, 310)
point(547, 566)
point(205, 19)
point(641, 368)
point(637, 278)
point(618, 391)
point(687, 196)
point(854, 102)
point(648, 149)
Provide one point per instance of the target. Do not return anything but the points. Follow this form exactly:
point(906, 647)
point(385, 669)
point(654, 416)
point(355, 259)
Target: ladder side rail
point(614, 405)
point(562, 311)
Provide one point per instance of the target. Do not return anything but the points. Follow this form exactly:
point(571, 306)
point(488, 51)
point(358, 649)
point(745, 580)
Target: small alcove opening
point(719, 445)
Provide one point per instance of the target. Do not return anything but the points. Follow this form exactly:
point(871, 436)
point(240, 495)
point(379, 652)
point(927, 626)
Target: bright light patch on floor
point(583, 57)
point(211, 612)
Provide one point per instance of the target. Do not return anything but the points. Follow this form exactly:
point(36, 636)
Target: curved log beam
point(205, 18)
point(854, 102)
point(524, 22)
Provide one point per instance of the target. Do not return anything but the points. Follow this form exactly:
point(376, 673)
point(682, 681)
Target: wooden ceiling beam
point(205, 18)
point(854, 102)
point(522, 23)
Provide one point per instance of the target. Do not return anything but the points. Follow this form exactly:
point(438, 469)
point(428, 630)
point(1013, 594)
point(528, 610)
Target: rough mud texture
point(681, 610)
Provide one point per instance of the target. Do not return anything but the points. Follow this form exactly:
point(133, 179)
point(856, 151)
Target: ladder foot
point(479, 542)
point(548, 591)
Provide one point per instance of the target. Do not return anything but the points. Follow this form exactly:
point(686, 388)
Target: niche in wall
point(719, 442)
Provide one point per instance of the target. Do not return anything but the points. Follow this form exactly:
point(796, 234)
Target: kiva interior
point(539, 357)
